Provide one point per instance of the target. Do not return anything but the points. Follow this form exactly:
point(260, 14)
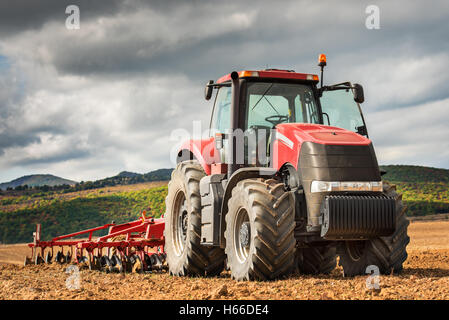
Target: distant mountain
point(404, 173)
point(37, 180)
point(49, 182)
point(127, 174)
point(158, 175)
point(125, 178)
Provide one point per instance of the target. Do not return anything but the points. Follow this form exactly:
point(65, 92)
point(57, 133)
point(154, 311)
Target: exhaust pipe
point(235, 87)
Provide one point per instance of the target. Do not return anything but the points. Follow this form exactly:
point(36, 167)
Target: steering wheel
point(276, 119)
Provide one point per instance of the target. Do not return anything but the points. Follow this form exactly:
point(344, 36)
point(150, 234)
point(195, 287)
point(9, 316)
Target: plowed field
point(425, 276)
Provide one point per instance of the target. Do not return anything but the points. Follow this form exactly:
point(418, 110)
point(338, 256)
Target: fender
point(203, 151)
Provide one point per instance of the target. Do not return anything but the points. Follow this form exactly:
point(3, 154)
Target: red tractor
point(287, 180)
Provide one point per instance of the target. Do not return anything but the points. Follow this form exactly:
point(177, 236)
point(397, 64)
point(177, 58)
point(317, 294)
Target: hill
point(127, 174)
point(37, 180)
point(49, 183)
point(61, 213)
point(121, 198)
point(126, 177)
point(425, 190)
point(415, 174)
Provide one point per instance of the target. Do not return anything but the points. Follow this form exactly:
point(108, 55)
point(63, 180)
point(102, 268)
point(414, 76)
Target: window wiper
point(263, 96)
point(272, 106)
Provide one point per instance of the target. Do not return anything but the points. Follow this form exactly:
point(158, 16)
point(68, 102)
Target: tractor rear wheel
point(185, 254)
point(260, 241)
point(387, 253)
point(316, 260)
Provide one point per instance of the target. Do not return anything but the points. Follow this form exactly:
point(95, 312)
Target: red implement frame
point(139, 236)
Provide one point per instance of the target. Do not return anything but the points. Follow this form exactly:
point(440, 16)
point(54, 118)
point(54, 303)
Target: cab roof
point(272, 73)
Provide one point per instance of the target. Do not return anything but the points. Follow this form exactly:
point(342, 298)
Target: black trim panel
point(333, 163)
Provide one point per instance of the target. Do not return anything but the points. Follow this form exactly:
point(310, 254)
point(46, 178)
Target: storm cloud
point(88, 103)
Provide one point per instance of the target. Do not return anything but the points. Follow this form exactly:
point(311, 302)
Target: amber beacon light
point(322, 60)
point(321, 64)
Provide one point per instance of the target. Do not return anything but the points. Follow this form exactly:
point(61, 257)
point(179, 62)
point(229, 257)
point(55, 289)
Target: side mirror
point(208, 90)
point(358, 93)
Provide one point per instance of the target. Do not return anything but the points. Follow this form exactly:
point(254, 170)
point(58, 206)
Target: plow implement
point(136, 246)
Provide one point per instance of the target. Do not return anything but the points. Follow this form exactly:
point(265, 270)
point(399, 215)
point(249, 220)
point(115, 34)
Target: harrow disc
point(154, 262)
point(137, 265)
point(83, 260)
point(106, 264)
point(93, 262)
point(48, 257)
point(117, 263)
point(126, 262)
point(68, 257)
point(97, 264)
point(157, 261)
point(60, 257)
point(38, 259)
point(148, 261)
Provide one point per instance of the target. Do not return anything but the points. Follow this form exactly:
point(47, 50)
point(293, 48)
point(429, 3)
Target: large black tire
point(265, 250)
point(387, 253)
point(316, 260)
point(188, 257)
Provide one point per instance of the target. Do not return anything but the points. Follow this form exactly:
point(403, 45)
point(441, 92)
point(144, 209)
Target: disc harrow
point(136, 246)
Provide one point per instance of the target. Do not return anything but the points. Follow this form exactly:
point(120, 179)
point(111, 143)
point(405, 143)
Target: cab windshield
point(271, 103)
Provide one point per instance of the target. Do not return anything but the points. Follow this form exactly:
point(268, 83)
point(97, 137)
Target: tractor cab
point(252, 104)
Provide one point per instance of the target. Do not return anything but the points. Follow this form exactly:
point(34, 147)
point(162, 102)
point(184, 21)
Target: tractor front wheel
point(260, 242)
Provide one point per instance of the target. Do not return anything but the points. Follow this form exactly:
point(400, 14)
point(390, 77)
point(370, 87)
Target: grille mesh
point(357, 217)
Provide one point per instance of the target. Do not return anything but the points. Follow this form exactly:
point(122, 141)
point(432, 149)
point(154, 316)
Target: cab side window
point(221, 117)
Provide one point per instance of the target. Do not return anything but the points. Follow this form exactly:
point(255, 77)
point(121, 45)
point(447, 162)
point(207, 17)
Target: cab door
point(220, 124)
point(340, 110)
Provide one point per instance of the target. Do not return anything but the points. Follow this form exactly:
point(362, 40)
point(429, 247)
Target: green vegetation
point(60, 216)
point(424, 190)
point(415, 174)
point(50, 184)
point(126, 178)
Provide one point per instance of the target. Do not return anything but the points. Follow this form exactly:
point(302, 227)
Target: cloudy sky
point(90, 102)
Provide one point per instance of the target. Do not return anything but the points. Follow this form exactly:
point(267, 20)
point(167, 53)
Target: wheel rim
point(180, 223)
point(355, 249)
point(242, 235)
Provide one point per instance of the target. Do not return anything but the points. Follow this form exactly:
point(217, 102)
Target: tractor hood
point(322, 134)
point(324, 153)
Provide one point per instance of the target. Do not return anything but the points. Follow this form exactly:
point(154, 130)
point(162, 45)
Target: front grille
point(357, 217)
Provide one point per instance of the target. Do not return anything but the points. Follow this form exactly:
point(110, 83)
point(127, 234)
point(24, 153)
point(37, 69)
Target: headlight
point(328, 186)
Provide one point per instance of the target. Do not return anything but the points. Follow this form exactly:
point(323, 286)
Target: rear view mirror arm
point(358, 90)
point(218, 85)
